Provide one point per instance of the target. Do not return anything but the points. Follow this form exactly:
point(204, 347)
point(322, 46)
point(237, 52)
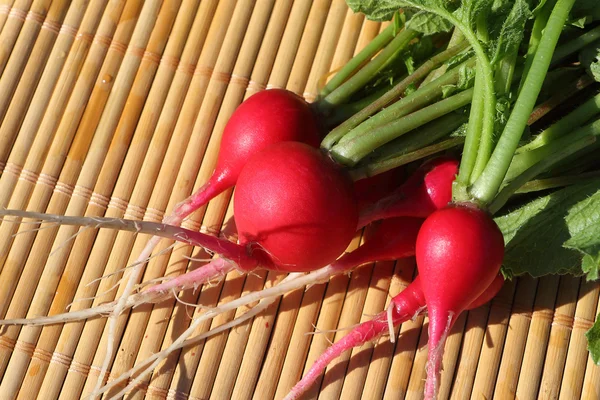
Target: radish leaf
point(554, 234)
point(512, 30)
point(428, 23)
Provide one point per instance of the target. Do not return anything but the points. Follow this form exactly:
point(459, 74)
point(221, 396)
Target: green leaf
point(593, 337)
point(470, 10)
point(538, 234)
point(583, 221)
point(429, 23)
point(512, 30)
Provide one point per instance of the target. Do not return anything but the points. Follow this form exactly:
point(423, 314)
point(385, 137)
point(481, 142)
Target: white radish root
point(165, 290)
point(148, 365)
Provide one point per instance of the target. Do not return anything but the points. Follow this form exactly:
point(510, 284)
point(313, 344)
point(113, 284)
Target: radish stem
point(393, 94)
point(487, 185)
point(365, 54)
point(351, 151)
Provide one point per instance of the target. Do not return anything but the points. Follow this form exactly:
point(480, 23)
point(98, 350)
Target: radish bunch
point(296, 208)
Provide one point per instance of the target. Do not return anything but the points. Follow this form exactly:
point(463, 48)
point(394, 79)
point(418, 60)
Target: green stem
point(486, 144)
point(558, 181)
point(380, 167)
point(365, 74)
point(523, 161)
point(420, 138)
point(573, 120)
point(537, 169)
point(352, 151)
point(505, 72)
point(379, 42)
point(411, 103)
point(487, 185)
point(344, 111)
point(392, 95)
point(473, 135)
point(536, 35)
point(456, 38)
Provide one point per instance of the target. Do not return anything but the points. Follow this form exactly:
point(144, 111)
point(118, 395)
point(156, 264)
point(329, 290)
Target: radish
point(267, 117)
point(294, 208)
point(428, 189)
point(459, 253)
point(295, 211)
point(406, 305)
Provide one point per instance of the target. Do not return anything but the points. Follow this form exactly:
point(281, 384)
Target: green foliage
point(555, 234)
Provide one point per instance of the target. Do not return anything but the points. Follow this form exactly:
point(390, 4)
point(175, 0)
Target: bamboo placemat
point(116, 108)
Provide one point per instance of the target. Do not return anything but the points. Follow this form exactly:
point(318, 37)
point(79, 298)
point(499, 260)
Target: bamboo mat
point(116, 108)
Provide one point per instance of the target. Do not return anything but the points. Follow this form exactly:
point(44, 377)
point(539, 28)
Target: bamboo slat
point(36, 118)
point(139, 145)
point(35, 87)
point(16, 18)
point(591, 381)
point(116, 108)
point(148, 122)
point(41, 193)
point(585, 313)
point(200, 134)
point(562, 325)
point(476, 334)
point(122, 243)
point(158, 323)
point(5, 7)
point(63, 203)
point(39, 50)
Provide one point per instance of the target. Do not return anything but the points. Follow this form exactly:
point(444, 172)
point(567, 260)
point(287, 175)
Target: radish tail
point(154, 294)
point(217, 184)
point(440, 324)
point(404, 306)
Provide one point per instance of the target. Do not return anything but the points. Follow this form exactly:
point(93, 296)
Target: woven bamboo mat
point(115, 108)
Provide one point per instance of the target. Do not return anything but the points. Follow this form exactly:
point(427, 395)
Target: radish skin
point(295, 208)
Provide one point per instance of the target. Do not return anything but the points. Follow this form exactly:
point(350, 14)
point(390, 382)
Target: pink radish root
point(404, 306)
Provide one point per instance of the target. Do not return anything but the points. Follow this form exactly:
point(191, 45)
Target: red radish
point(295, 206)
point(489, 293)
point(427, 190)
point(404, 306)
point(294, 209)
point(459, 253)
point(267, 117)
